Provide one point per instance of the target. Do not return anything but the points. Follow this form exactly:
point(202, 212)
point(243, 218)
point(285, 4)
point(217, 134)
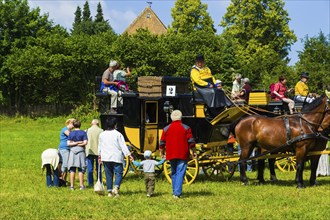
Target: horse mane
point(311, 106)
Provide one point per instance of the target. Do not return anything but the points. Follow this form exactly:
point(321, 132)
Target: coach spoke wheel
point(191, 172)
point(219, 171)
point(138, 158)
point(287, 164)
point(126, 166)
point(159, 169)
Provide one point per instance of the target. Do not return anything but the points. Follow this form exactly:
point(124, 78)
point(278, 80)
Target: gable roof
point(147, 20)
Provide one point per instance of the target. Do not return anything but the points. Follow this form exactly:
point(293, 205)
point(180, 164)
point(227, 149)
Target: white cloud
point(61, 12)
point(120, 20)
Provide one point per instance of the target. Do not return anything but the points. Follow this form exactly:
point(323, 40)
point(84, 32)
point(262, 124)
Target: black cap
point(304, 74)
point(199, 58)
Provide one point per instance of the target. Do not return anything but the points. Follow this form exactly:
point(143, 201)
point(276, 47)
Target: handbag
point(99, 187)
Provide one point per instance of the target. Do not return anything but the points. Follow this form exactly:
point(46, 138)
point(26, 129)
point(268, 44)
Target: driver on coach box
point(205, 85)
point(301, 90)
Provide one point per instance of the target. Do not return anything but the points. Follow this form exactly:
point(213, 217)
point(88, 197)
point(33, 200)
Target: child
point(50, 160)
point(149, 171)
point(77, 158)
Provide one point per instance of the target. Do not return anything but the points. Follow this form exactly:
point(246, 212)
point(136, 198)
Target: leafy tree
point(261, 35)
point(19, 28)
point(189, 16)
point(315, 59)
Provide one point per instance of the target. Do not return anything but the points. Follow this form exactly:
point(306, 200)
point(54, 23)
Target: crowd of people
point(79, 149)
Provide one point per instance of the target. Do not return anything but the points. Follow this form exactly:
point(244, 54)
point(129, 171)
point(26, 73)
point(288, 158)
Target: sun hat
point(304, 75)
point(246, 80)
point(218, 81)
point(176, 115)
point(113, 63)
point(147, 154)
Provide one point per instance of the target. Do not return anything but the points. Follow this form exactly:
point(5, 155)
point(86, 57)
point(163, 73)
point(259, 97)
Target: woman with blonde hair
point(63, 147)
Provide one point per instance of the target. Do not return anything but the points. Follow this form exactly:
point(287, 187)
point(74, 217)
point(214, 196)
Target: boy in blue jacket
point(149, 171)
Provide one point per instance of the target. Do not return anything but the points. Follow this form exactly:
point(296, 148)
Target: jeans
point(49, 173)
point(178, 169)
point(111, 168)
point(91, 159)
point(249, 162)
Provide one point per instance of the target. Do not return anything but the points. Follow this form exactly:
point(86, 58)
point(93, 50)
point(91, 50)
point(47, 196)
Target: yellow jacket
point(201, 77)
point(301, 89)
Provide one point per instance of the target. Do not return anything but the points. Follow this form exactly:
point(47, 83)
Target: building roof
point(147, 20)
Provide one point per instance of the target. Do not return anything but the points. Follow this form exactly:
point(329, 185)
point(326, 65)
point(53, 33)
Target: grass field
point(24, 194)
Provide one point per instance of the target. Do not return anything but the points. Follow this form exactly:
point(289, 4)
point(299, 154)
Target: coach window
point(151, 112)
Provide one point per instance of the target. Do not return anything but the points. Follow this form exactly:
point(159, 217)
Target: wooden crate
point(155, 86)
point(259, 98)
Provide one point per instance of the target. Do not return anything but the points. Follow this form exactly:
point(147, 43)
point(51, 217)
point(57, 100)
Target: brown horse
point(294, 132)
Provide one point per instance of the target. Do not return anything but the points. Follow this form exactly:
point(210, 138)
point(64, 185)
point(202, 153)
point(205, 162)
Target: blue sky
point(308, 17)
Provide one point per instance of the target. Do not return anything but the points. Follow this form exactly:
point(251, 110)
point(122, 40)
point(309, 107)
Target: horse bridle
point(326, 110)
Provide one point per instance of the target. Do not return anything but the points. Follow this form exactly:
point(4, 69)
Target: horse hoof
point(273, 178)
point(261, 182)
point(315, 184)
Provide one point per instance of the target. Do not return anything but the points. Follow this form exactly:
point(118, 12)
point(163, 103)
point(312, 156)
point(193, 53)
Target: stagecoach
point(146, 112)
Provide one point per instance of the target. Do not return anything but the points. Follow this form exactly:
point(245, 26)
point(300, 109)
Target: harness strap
point(287, 128)
point(288, 143)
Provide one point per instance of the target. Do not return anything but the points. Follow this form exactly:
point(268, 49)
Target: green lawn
point(24, 194)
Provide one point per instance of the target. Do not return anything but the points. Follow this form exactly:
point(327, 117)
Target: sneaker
point(148, 195)
point(71, 188)
point(176, 197)
point(82, 187)
point(110, 194)
point(115, 192)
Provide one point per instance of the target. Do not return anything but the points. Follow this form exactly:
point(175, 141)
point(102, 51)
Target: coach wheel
point(220, 171)
point(287, 164)
point(126, 166)
point(191, 172)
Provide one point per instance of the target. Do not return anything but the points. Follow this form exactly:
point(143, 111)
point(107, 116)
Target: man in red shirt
point(178, 139)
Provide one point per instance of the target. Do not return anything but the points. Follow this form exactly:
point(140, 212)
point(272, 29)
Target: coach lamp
point(168, 108)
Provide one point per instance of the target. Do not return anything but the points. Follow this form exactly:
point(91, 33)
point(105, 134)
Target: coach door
point(150, 127)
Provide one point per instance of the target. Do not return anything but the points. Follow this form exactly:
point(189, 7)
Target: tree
point(315, 59)
point(101, 25)
point(83, 23)
point(19, 28)
point(261, 35)
point(86, 16)
point(189, 16)
point(77, 22)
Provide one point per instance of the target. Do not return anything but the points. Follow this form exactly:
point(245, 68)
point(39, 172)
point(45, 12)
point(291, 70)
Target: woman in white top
point(112, 148)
